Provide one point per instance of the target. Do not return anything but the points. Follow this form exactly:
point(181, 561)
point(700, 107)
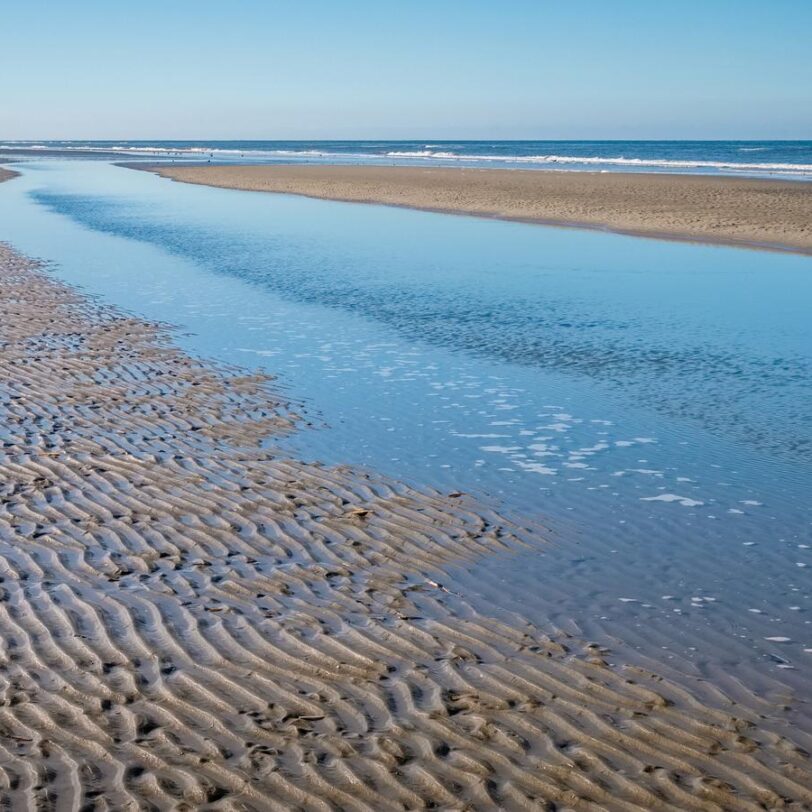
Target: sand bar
point(740, 211)
point(189, 619)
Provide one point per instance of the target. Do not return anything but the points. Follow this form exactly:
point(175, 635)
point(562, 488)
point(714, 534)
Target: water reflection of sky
point(649, 398)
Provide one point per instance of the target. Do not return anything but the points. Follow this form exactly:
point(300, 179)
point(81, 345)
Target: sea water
point(647, 402)
point(781, 159)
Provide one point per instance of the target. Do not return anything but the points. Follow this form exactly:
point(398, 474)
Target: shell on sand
point(188, 619)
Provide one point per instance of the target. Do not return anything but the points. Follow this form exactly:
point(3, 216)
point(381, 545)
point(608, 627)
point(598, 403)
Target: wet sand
point(739, 211)
point(189, 618)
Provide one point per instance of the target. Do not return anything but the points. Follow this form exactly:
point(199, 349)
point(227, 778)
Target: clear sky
point(448, 68)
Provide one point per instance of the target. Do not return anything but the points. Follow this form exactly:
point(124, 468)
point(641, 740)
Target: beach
point(191, 617)
point(736, 211)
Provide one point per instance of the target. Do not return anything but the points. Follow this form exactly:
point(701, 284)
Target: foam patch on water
point(673, 497)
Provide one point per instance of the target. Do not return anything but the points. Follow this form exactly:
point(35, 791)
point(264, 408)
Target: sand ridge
point(737, 211)
point(189, 620)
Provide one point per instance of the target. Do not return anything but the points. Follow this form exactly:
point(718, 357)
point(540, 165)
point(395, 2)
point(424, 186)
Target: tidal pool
point(647, 401)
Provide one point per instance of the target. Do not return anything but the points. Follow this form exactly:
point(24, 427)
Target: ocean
point(784, 159)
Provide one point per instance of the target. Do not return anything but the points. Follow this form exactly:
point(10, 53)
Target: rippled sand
point(189, 619)
point(741, 211)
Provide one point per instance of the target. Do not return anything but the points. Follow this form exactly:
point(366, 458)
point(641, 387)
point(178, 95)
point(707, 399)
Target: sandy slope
point(189, 621)
point(711, 209)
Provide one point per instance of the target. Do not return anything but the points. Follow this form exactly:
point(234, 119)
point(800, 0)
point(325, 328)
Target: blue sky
point(449, 68)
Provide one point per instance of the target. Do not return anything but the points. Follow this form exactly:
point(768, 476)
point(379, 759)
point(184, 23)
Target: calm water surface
point(648, 401)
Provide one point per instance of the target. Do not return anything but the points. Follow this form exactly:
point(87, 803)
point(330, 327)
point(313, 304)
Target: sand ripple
point(189, 620)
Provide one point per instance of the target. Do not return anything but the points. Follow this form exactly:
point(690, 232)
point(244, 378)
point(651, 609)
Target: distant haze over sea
point(787, 159)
